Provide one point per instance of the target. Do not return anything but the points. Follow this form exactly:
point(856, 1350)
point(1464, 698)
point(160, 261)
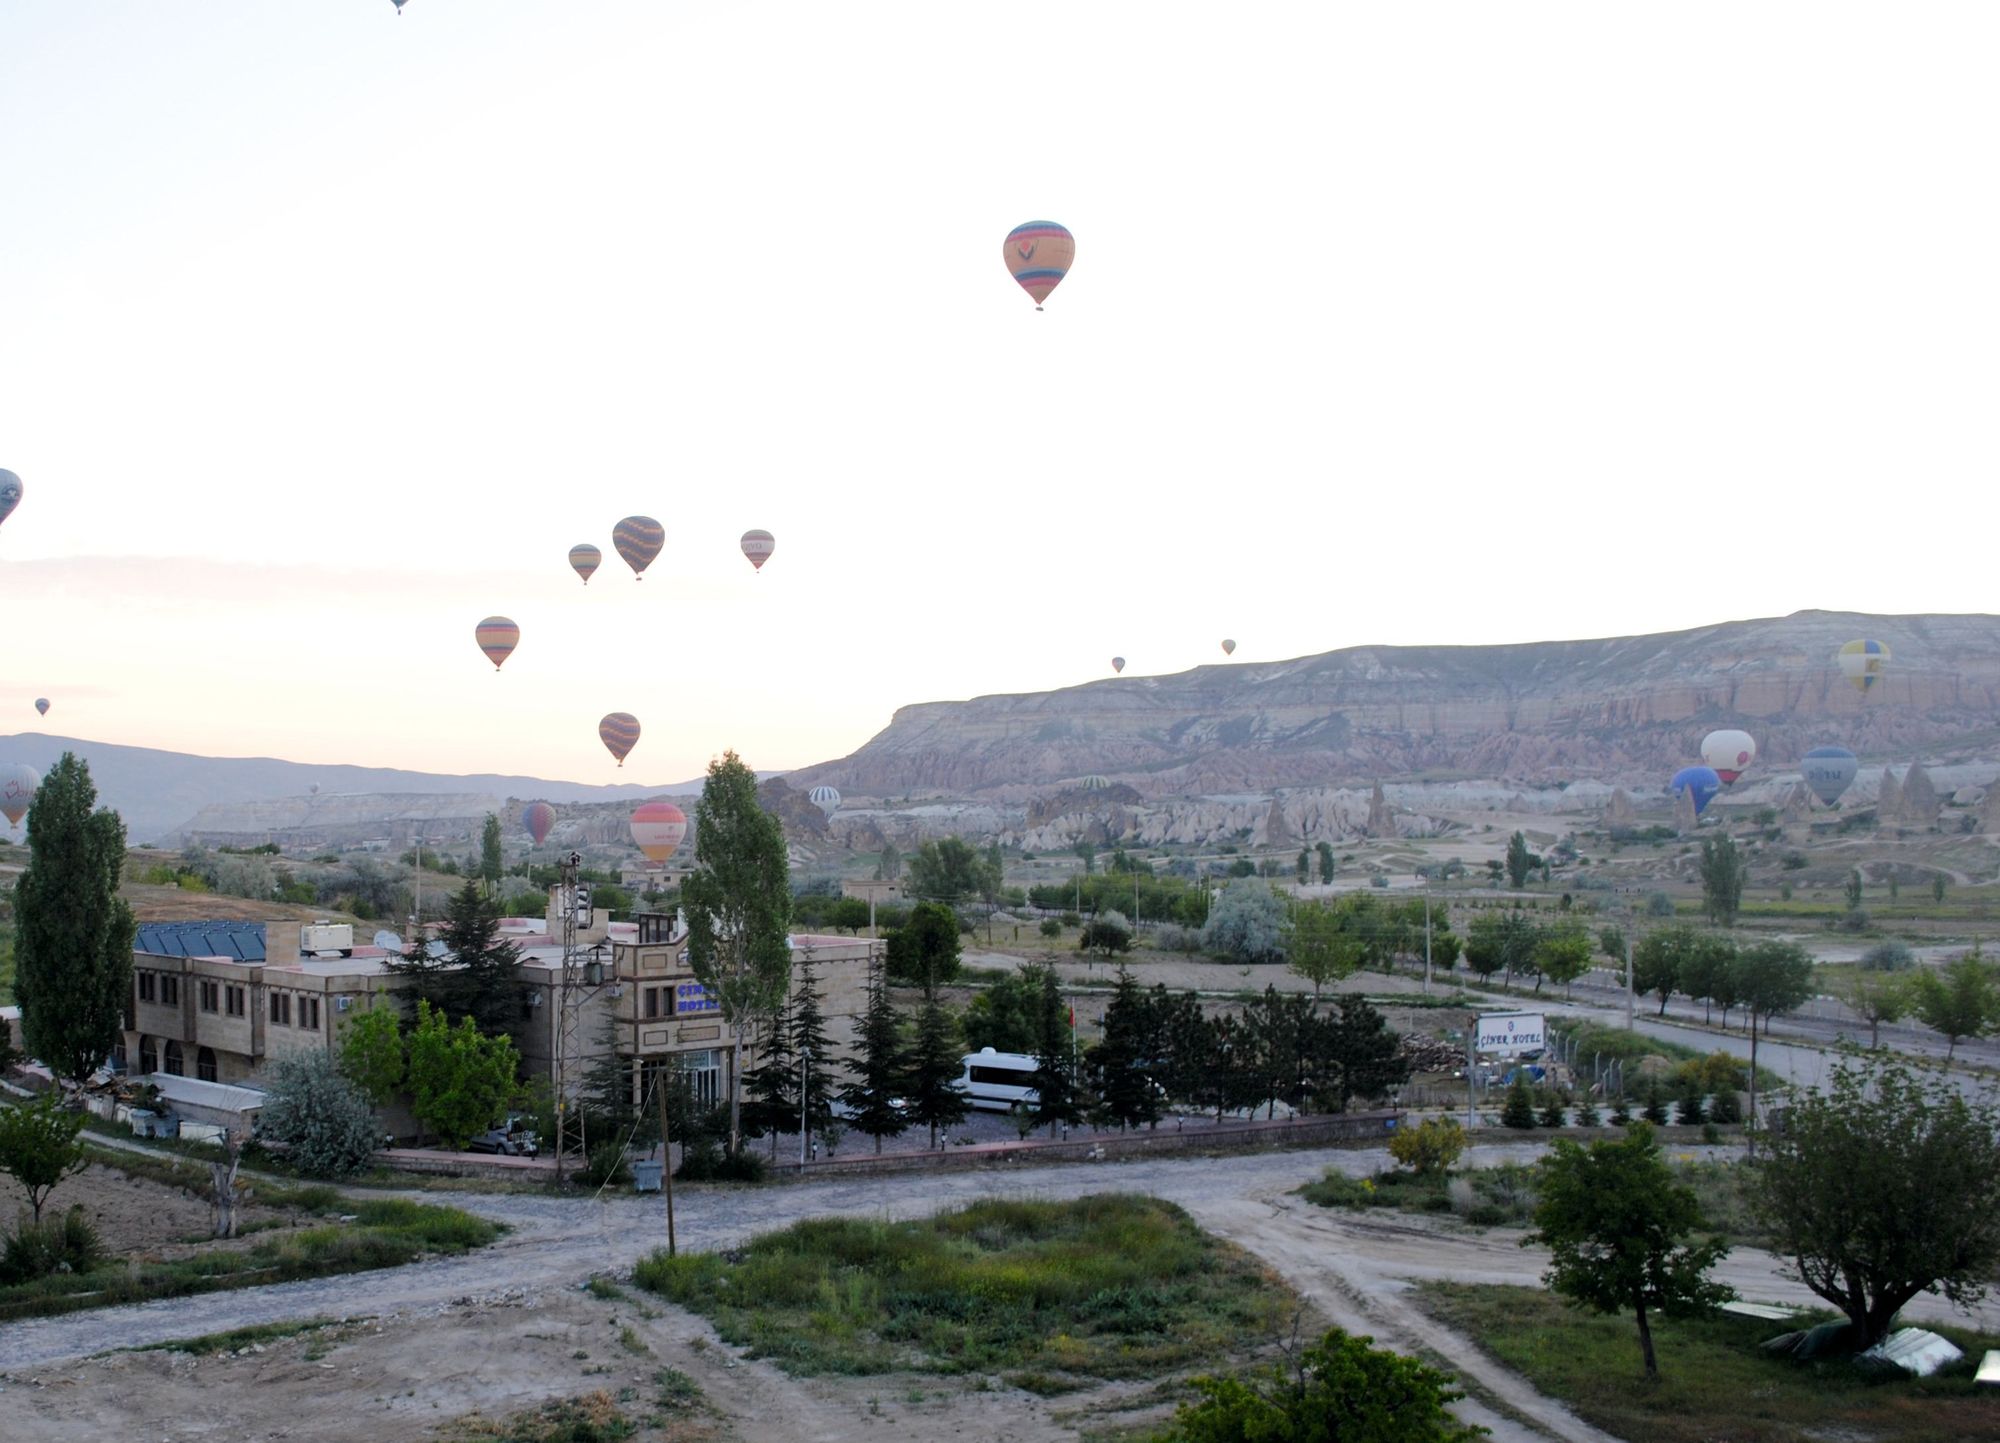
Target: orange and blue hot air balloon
point(497, 637)
point(585, 558)
point(638, 539)
point(1038, 255)
point(619, 731)
point(538, 817)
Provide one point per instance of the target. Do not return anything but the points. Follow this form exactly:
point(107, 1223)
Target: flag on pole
point(1072, 1017)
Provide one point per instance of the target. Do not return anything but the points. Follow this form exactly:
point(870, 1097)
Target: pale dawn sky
point(324, 333)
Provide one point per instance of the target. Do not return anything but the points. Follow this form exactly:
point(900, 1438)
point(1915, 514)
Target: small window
point(309, 1013)
point(171, 1062)
point(204, 1065)
point(170, 994)
point(281, 1008)
point(148, 987)
point(232, 999)
point(211, 997)
point(652, 1003)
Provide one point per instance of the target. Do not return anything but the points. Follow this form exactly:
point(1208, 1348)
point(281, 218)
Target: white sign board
point(1510, 1033)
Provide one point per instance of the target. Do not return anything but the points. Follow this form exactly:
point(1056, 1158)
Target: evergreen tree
point(1325, 850)
point(1225, 1081)
point(1553, 1114)
point(771, 1096)
point(604, 1092)
point(1121, 1066)
point(1722, 871)
point(491, 862)
point(486, 969)
point(1621, 1111)
point(1519, 1109)
point(810, 1046)
point(73, 933)
point(1276, 1026)
point(924, 951)
point(936, 1100)
point(879, 1066)
point(1655, 1110)
point(1303, 867)
point(1056, 1100)
point(1586, 1112)
point(890, 865)
point(1689, 1109)
point(1359, 1055)
point(738, 903)
point(1185, 1044)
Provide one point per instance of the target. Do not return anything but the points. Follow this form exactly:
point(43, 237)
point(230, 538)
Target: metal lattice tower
point(569, 1004)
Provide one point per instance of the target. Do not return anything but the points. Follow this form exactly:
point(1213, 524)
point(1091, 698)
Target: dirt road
point(501, 1325)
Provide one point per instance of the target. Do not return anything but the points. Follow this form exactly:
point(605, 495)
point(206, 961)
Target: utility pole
point(566, 902)
point(666, 1150)
point(1631, 926)
point(1427, 937)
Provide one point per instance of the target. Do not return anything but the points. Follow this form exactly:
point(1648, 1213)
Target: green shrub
point(65, 1244)
point(1430, 1147)
point(322, 1120)
point(1519, 1109)
point(605, 1165)
point(1051, 927)
point(1727, 1108)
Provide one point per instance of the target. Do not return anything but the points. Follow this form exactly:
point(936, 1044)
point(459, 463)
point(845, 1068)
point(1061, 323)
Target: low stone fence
point(1318, 1131)
point(494, 1167)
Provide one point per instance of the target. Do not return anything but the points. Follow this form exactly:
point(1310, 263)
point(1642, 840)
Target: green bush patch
point(1716, 1385)
point(1056, 1294)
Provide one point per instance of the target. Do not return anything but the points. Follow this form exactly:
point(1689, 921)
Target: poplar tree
point(73, 933)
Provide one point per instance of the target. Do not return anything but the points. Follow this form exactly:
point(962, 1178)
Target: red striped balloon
point(1039, 254)
point(585, 559)
point(497, 637)
point(620, 733)
point(658, 828)
point(758, 546)
point(538, 817)
point(638, 539)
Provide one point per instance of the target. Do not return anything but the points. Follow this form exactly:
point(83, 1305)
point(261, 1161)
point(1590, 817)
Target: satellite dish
point(389, 941)
point(436, 948)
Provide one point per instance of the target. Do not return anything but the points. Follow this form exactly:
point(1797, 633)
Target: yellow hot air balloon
point(1862, 663)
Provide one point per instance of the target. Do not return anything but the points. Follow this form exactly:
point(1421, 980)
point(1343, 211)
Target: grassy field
point(1715, 1385)
point(385, 1233)
point(1054, 1296)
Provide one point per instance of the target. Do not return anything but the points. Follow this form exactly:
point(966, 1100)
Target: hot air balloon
point(1701, 781)
point(1829, 771)
point(1861, 662)
point(1038, 255)
point(1095, 783)
point(827, 799)
point(18, 785)
point(758, 546)
point(586, 559)
point(638, 539)
point(42, 705)
point(538, 817)
point(658, 828)
point(1228, 647)
point(497, 637)
point(1117, 663)
point(10, 493)
point(620, 733)
point(1729, 752)
point(313, 789)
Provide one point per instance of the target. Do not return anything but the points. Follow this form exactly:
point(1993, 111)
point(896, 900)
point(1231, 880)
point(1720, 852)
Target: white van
point(995, 1081)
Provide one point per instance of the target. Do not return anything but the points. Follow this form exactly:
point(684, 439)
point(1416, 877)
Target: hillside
point(1622, 708)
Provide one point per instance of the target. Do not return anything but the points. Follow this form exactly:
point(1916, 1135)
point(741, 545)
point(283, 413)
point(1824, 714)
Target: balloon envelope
point(658, 828)
point(586, 559)
point(758, 546)
point(1701, 781)
point(10, 493)
point(538, 817)
point(1729, 752)
point(1829, 771)
point(1118, 663)
point(42, 705)
point(827, 799)
point(497, 637)
point(638, 539)
point(18, 785)
point(1228, 648)
point(619, 732)
point(1094, 783)
point(1038, 255)
point(1861, 662)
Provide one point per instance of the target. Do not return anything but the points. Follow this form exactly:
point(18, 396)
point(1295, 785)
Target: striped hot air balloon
point(619, 732)
point(638, 539)
point(826, 798)
point(658, 828)
point(1117, 663)
point(497, 637)
point(1095, 783)
point(585, 558)
point(18, 785)
point(758, 546)
point(1862, 662)
point(538, 817)
point(1038, 255)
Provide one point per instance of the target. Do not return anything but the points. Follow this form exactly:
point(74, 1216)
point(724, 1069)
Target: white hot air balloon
point(18, 785)
point(827, 799)
point(1729, 752)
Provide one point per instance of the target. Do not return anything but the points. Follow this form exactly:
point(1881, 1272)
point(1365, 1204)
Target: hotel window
point(148, 987)
point(232, 1001)
point(281, 1008)
point(211, 996)
point(309, 1013)
point(170, 993)
point(653, 1002)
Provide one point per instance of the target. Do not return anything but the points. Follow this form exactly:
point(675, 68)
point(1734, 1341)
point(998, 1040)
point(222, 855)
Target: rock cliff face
point(1542, 712)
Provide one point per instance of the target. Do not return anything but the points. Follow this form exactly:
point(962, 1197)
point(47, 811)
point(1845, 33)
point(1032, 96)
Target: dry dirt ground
point(132, 1215)
point(502, 1328)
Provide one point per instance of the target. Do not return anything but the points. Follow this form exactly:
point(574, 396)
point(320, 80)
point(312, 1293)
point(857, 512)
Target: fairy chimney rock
point(1920, 798)
point(1619, 811)
point(1380, 822)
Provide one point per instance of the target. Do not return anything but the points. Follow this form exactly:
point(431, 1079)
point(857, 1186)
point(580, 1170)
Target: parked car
point(511, 1138)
